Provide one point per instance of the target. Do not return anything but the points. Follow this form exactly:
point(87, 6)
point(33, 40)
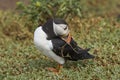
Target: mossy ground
point(20, 60)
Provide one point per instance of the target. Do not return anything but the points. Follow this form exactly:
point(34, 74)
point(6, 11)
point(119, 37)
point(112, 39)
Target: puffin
point(54, 40)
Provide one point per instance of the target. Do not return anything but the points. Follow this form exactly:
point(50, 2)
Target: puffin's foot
point(52, 70)
point(55, 70)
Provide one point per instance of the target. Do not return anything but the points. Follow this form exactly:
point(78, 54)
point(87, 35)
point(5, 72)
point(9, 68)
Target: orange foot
point(55, 70)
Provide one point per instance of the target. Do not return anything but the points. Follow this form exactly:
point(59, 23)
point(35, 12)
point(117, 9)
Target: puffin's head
point(60, 27)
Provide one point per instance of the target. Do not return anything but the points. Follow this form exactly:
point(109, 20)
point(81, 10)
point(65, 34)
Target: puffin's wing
point(58, 45)
point(71, 52)
point(61, 48)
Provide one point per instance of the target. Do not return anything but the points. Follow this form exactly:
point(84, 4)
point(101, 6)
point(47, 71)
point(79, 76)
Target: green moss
point(20, 60)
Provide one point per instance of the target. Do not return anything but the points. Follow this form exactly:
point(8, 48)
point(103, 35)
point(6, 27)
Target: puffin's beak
point(67, 38)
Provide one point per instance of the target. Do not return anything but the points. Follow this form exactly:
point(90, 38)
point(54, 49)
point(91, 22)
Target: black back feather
point(73, 50)
point(48, 27)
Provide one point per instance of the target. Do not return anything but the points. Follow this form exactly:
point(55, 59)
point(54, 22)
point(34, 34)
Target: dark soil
point(9, 4)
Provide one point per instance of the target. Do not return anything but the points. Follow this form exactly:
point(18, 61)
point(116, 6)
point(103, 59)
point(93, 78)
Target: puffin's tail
point(83, 54)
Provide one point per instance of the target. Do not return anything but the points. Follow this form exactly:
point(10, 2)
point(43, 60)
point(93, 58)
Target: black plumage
point(70, 51)
point(48, 27)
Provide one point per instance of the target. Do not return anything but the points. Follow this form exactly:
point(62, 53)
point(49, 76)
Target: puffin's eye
point(65, 28)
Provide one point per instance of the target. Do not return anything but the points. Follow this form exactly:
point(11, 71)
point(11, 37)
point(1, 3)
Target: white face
point(60, 29)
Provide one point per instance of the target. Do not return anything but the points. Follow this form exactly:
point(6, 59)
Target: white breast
point(40, 40)
point(45, 46)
